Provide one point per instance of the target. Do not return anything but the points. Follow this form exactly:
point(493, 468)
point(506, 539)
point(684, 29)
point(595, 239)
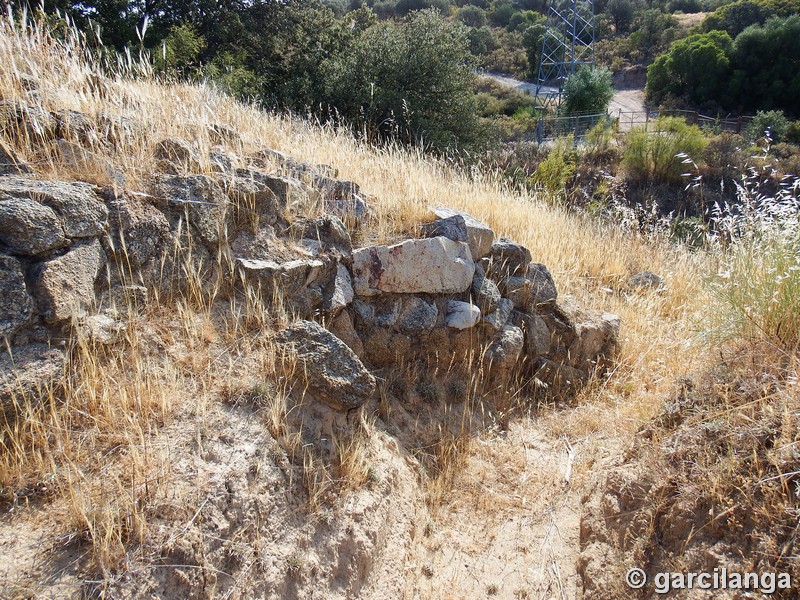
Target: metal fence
point(550, 128)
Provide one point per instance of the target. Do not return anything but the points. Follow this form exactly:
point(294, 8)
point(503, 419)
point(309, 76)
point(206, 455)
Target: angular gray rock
point(461, 315)
point(342, 327)
point(26, 122)
point(453, 228)
point(333, 372)
point(254, 203)
point(28, 228)
point(16, 304)
point(177, 156)
point(380, 312)
point(537, 335)
point(485, 293)
point(504, 352)
point(28, 373)
point(646, 280)
point(329, 231)
point(479, 235)
point(424, 266)
point(597, 341)
point(64, 286)
point(138, 231)
point(499, 317)
point(508, 259)
point(197, 199)
point(342, 293)
point(286, 189)
point(82, 212)
point(417, 316)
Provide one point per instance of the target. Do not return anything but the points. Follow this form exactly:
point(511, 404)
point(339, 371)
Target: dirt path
point(627, 100)
point(510, 529)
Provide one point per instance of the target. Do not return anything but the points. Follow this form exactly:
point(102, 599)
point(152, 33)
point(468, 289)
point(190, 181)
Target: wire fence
point(551, 128)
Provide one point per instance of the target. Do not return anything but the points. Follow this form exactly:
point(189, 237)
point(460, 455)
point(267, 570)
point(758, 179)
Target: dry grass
point(114, 401)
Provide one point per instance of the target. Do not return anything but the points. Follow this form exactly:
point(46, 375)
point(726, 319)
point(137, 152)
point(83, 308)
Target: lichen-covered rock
point(177, 156)
point(534, 291)
point(286, 190)
point(333, 372)
point(195, 198)
point(425, 266)
point(81, 211)
point(453, 228)
point(417, 316)
point(28, 228)
point(479, 235)
point(461, 315)
point(597, 341)
point(64, 286)
point(27, 373)
point(382, 311)
point(16, 304)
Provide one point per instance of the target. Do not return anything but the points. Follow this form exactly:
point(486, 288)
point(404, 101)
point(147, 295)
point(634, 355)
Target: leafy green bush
point(180, 52)
point(588, 90)
point(555, 171)
point(650, 156)
point(413, 80)
point(773, 122)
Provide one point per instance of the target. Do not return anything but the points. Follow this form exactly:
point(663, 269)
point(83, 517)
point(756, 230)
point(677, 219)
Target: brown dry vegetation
point(94, 462)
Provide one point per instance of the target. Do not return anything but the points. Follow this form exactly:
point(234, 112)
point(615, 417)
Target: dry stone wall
point(71, 253)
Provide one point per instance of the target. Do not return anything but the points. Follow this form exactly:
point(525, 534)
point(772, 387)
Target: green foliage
point(532, 43)
point(696, 68)
point(413, 79)
point(773, 121)
point(555, 171)
point(472, 16)
point(494, 98)
point(651, 156)
point(180, 52)
point(621, 13)
point(588, 90)
point(765, 73)
point(653, 33)
point(501, 13)
point(736, 17)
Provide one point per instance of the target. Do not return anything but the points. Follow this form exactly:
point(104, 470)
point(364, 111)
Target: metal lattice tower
point(568, 42)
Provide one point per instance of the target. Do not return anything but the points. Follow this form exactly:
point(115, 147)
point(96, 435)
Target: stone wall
point(71, 255)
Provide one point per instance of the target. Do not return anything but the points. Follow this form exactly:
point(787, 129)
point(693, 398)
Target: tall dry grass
point(122, 397)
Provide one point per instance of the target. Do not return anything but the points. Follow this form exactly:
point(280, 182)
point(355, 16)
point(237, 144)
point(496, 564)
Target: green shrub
point(773, 122)
point(588, 90)
point(555, 171)
point(651, 155)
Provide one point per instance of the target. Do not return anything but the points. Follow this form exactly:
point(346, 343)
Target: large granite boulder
point(28, 228)
point(332, 371)
point(82, 212)
point(425, 266)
